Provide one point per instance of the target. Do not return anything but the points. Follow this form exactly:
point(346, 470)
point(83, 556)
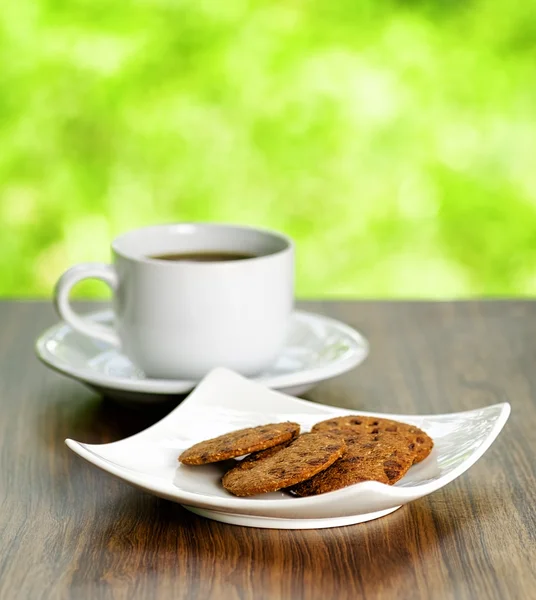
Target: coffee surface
point(209, 256)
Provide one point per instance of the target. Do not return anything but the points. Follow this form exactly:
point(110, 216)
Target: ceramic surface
point(180, 319)
point(316, 349)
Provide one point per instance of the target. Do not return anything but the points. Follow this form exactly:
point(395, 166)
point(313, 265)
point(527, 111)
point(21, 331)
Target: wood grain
point(70, 531)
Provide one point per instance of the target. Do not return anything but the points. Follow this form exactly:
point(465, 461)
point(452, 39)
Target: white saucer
point(225, 401)
point(318, 348)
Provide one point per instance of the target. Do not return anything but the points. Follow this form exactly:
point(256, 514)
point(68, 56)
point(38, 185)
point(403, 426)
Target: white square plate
point(225, 401)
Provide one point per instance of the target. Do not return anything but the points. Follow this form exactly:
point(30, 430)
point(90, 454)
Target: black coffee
point(203, 256)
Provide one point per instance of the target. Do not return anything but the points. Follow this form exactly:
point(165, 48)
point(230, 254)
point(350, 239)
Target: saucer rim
point(357, 354)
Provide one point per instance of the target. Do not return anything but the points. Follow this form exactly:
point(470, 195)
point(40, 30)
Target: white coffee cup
point(180, 319)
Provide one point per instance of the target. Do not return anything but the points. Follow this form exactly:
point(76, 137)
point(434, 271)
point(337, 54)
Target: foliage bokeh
point(394, 140)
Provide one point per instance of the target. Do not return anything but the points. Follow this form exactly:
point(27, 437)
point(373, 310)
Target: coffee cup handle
point(63, 306)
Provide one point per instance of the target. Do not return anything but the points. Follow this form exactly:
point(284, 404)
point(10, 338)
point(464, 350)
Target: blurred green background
point(396, 141)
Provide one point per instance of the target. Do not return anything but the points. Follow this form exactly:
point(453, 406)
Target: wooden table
point(70, 531)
